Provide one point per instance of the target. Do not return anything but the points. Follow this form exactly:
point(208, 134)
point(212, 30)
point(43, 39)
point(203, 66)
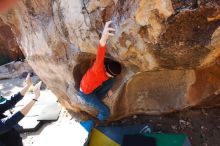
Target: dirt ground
point(201, 125)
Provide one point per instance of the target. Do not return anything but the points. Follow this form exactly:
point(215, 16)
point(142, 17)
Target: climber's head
point(113, 68)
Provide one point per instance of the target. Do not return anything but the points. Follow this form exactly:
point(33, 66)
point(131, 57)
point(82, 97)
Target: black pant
point(11, 138)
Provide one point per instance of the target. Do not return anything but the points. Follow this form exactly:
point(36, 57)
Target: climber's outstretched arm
point(108, 31)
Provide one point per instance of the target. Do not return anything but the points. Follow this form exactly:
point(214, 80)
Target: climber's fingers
point(111, 29)
point(108, 23)
point(111, 34)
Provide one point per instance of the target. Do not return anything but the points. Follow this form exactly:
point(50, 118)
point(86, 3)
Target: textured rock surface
point(9, 49)
point(169, 49)
point(15, 69)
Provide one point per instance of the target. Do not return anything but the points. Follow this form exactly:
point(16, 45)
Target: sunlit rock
point(169, 50)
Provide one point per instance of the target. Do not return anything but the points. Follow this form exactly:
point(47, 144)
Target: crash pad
point(113, 135)
point(50, 112)
point(46, 109)
point(38, 115)
point(138, 140)
point(64, 133)
point(170, 139)
point(28, 124)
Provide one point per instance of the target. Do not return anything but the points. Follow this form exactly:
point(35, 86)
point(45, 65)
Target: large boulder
point(169, 50)
point(9, 49)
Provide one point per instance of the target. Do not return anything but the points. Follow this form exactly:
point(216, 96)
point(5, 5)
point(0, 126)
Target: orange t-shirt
point(95, 76)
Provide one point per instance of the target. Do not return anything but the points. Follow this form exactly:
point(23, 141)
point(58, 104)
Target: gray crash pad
point(38, 115)
point(28, 124)
point(50, 112)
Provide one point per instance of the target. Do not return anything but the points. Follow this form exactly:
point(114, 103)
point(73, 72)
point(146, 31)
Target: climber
point(8, 135)
point(100, 77)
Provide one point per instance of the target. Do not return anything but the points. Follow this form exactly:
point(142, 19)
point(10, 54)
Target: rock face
point(170, 50)
point(9, 49)
point(15, 69)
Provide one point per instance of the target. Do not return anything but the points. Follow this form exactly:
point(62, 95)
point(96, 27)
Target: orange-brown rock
point(9, 49)
point(169, 50)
